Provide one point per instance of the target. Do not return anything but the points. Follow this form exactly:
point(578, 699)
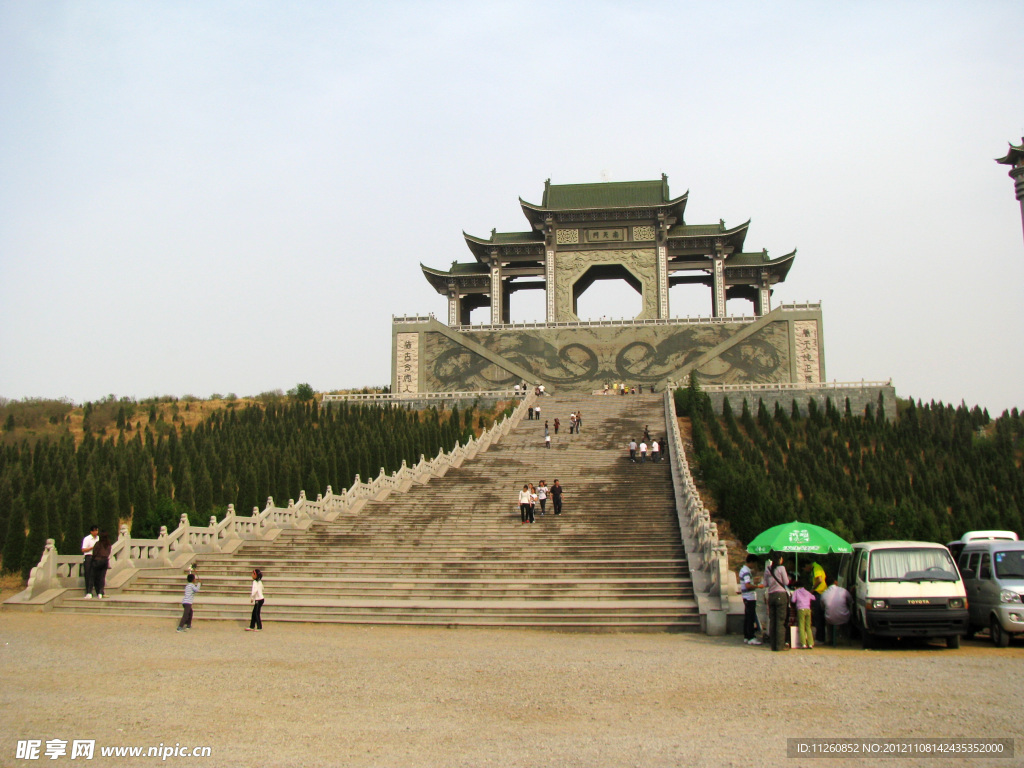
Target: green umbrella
point(797, 537)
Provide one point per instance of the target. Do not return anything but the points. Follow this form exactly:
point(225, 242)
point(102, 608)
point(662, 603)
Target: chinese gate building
point(582, 233)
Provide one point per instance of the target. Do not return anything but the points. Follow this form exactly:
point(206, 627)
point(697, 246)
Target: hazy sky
point(236, 196)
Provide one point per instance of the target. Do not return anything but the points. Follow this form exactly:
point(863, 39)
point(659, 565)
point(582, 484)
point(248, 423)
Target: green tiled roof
point(471, 268)
point(696, 230)
point(1014, 156)
point(611, 194)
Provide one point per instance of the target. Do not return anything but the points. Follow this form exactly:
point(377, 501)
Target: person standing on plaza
point(100, 563)
point(524, 505)
point(186, 602)
point(802, 599)
point(813, 572)
point(556, 496)
point(542, 494)
point(87, 546)
point(748, 591)
point(256, 598)
point(777, 581)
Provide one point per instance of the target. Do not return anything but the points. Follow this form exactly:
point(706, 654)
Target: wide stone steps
point(454, 553)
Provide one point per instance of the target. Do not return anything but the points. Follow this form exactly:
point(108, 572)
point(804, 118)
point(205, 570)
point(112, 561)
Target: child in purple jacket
point(802, 599)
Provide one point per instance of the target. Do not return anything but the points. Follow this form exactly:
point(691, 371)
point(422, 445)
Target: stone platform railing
point(402, 398)
point(178, 549)
point(708, 558)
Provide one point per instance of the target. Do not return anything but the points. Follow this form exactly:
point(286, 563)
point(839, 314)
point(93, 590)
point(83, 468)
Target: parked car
point(993, 573)
point(905, 589)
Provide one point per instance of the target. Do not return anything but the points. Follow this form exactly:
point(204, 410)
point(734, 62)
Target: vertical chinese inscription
point(407, 363)
point(662, 281)
point(549, 284)
point(806, 332)
point(719, 287)
point(495, 296)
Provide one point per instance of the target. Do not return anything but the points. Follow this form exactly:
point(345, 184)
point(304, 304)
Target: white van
point(993, 572)
point(905, 589)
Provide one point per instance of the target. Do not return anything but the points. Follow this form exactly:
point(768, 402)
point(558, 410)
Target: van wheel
point(953, 641)
point(1000, 639)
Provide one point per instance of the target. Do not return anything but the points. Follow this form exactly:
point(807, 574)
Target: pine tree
point(14, 542)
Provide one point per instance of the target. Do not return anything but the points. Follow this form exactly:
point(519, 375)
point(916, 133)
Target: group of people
point(192, 586)
point(639, 451)
point(96, 548)
point(620, 388)
point(821, 606)
point(532, 497)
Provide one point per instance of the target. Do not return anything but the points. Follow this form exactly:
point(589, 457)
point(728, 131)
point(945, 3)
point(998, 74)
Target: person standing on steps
point(557, 425)
point(572, 423)
point(655, 451)
point(542, 494)
point(547, 440)
point(556, 496)
point(524, 505)
point(579, 421)
point(533, 502)
point(100, 563)
point(643, 452)
point(87, 546)
point(545, 429)
point(256, 598)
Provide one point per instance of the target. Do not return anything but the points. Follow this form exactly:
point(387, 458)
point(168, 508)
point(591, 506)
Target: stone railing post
point(44, 575)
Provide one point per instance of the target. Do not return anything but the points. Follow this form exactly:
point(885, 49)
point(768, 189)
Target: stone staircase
point(454, 553)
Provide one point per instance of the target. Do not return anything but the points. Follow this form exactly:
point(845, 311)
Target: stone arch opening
point(607, 291)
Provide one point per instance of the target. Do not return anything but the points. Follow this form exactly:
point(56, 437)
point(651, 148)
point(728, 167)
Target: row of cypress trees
point(931, 474)
point(56, 489)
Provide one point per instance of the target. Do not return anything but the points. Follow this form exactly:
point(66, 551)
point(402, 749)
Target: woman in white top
point(542, 495)
point(256, 598)
point(524, 505)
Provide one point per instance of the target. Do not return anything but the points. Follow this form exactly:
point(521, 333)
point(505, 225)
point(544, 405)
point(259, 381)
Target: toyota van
point(905, 589)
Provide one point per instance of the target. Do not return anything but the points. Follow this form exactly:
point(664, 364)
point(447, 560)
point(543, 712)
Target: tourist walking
point(579, 421)
point(557, 425)
point(542, 495)
point(632, 451)
point(572, 423)
point(186, 603)
point(256, 598)
point(100, 563)
point(655, 451)
point(556, 496)
point(777, 581)
point(547, 441)
point(545, 428)
point(524, 505)
point(643, 452)
point(87, 546)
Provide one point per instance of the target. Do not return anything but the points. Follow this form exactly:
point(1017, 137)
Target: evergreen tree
point(14, 542)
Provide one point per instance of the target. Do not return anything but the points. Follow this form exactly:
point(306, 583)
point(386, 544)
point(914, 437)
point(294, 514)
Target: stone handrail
point(795, 385)
point(707, 556)
point(178, 548)
point(402, 397)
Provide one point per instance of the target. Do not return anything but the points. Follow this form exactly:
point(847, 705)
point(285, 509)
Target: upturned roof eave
point(1014, 156)
point(536, 214)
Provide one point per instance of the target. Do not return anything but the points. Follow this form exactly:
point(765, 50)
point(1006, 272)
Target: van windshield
point(912, 565)
point(1009, 565)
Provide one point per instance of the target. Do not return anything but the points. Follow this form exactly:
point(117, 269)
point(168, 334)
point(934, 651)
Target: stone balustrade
point(177, 549)
point(708, 557)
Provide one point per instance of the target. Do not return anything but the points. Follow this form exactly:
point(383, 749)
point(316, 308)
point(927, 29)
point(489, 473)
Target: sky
point(219, 197)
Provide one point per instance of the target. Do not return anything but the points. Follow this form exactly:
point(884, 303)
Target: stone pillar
point(718, 282)
point(454, 306)
point(662, 267)
point(763, 305)
point(550, 312)
point(497, 291)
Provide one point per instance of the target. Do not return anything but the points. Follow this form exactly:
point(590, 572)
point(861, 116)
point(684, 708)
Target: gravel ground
point(308, 695)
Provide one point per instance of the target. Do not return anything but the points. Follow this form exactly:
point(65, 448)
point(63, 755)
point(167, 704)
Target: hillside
point(932, 473)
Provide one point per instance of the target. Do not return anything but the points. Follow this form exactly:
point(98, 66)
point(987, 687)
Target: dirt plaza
point(331, 695)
